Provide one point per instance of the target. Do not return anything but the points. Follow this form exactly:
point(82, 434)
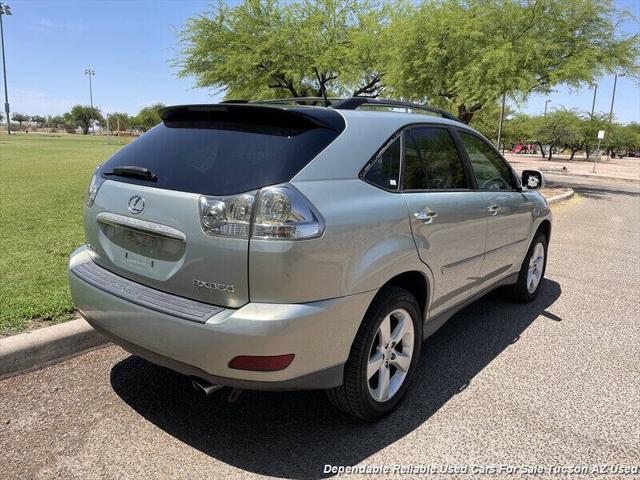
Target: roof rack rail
point(350, 103)
point(355, 102)
point(301, 100)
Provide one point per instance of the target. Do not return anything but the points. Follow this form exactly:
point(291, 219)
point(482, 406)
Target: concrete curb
point(562, 197)
point(46, 346)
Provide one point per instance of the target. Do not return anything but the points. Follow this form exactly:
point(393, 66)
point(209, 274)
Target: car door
point(448, 218)
point(510, 211)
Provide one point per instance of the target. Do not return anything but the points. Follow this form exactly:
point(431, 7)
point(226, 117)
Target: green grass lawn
point(42, 185)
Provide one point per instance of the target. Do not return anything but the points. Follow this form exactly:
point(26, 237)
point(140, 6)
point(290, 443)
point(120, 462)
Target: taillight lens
point(94, 186)
point(283, 213)
point(273, 213)
point(227, 216)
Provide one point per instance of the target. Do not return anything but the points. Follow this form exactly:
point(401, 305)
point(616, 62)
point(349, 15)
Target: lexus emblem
point(136, 204)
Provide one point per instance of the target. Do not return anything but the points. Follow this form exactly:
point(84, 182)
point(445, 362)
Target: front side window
point(432, 161)
point(491, 172)
point(385, 171)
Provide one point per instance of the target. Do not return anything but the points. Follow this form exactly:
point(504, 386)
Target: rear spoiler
point(321, 117)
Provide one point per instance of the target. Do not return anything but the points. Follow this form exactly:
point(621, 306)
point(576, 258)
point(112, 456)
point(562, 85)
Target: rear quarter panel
point(367, 241)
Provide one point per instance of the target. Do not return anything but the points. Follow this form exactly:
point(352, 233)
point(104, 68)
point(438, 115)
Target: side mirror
point(532, 179)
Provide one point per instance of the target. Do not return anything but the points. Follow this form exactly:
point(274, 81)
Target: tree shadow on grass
point(294, 434)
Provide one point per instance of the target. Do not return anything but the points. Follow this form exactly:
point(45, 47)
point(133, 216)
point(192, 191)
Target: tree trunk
point(550, 152)
point(573, 153)
point(466, 114)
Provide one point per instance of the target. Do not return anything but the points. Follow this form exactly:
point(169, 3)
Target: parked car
point(278, 246)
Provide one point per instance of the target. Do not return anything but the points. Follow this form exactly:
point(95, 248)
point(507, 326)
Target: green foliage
point(119, 121)
point(20, 118)
point(84, 116)
point(559, 128)
point(51, 173)
point(148, 117)
point(258, 50)
point(462, 55)
point(56, 121)
point(39, 120)
point(624, 139)
point(590, 129)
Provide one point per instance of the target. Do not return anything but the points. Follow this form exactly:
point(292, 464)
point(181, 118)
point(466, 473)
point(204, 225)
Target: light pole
point(545, 106)
point(593, 104)
point(613, 97)
point(5, 10)
point(500, 125)
point(91, 73)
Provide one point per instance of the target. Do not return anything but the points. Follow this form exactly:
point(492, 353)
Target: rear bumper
point(319, 334)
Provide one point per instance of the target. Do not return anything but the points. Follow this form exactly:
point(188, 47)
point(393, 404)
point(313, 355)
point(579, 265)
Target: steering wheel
point(493, 179)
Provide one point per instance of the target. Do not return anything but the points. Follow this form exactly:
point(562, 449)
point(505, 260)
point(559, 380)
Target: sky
point(129, 45)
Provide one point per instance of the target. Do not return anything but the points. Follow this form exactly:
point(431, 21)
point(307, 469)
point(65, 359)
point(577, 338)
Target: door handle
point(493, 209)
point(425, 217)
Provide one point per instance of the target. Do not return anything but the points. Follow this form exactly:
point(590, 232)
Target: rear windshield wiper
point(133, 172)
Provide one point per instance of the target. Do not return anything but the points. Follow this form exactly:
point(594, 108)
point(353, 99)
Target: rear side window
point(432, 161)
point(385, 171)
point(223, 154)
point(491, 172)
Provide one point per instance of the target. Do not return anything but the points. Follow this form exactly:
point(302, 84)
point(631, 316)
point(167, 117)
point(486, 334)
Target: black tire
point(519, 290)
point(353, 396)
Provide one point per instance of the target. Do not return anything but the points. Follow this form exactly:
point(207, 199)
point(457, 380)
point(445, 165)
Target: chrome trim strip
point(138, 225)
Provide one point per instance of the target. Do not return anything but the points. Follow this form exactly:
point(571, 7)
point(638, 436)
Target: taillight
point(273, 213)
point(283, 213)
point(227, 216)
point(94, 186)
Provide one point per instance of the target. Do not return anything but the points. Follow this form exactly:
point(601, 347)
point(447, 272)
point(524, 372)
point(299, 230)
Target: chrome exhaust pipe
point(206, 387)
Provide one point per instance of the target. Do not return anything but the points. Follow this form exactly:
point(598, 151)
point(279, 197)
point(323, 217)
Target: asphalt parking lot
point(555, 382)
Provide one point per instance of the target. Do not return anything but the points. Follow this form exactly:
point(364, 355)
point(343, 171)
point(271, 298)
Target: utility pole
point(504, 97)
point(5, 10)
point(91, 73)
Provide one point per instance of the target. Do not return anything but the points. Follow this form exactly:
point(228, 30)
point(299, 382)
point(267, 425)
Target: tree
point(148, 117)
point(39, 120)
point(83, 116)
point(560, 128)
point(464, 54)
point(20, 118)
point(269, 49)
point(624, 139)
point(590, 130)
point(56, 121)
point(119, 121)
point(1, 117)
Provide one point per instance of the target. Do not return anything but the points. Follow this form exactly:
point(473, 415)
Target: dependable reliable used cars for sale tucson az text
point(305, 244)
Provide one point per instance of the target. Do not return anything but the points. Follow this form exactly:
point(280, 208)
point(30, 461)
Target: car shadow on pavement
point(295, 434)
point(602, 193)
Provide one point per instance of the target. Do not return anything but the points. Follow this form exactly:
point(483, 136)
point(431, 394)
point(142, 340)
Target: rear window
point(223, 154)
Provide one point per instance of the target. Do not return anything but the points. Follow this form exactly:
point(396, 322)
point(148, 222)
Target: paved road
point(553, 382)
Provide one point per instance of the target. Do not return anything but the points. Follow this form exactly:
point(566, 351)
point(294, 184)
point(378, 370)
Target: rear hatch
point(145, 222)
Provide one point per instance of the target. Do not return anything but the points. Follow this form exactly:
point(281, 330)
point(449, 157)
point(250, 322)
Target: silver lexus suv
point(280, 245)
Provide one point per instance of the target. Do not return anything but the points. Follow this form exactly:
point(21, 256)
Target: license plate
point(142, 240)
